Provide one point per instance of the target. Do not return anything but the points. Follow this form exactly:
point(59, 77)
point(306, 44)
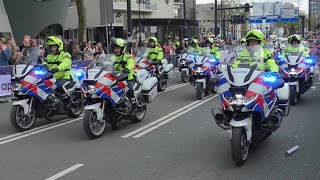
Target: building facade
point(32, 17)
point(41, 18)
point(315, 7)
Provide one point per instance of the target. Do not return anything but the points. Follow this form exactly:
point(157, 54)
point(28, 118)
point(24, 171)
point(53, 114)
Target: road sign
point(255, 19)
point(272, 19)
point(289, 14)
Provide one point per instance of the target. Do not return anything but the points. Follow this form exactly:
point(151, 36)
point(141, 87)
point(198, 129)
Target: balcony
point(144, 7)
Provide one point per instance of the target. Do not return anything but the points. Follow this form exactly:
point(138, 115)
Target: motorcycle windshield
point(294, 58)
point(107, 65)
point(248, 64)
point(249, 57)
point(206, 50)
point(200, 59)
point(22, 68)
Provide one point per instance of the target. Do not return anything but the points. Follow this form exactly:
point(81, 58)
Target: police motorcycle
point(203, 67)
point(163, 73)
point(107, 102)
point(37, 95)
point(298, 71)
point(183, 61)
point(253, 103)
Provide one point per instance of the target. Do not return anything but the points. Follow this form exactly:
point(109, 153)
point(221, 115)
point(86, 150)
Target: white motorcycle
point(106, 94)
point(298, 72)
point(37, 96)
point(163, 73)
point(253, 103)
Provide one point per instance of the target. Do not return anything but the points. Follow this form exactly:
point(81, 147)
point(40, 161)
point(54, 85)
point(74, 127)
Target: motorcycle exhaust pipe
point(218, 115)
point(276, 118)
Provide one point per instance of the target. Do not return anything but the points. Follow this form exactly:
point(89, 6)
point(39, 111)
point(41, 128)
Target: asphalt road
point(178, 139)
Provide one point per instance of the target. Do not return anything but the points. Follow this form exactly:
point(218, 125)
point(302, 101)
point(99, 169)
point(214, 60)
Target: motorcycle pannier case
point(141, 75)
point(168, 70)
point(149, 89)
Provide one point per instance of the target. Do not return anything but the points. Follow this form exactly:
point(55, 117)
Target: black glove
point(126, 71)
point(54, 70)
point(153, 62)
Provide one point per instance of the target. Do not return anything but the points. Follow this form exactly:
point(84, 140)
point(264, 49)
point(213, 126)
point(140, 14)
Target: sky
point(303, 3)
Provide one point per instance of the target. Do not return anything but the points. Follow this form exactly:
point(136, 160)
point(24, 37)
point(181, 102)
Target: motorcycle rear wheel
point(239, 145)
point(141, 113)
point(76, 108)
point(162, 84)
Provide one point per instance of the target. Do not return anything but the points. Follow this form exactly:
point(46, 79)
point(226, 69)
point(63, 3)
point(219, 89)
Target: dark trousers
point(60, 83)
point(131, 90)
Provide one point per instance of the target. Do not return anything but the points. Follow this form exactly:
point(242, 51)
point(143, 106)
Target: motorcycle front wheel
point(184, 77)
point(93, 127)
point(293, 99)
point(200, 91)
point(239, 145)
point(20, 121)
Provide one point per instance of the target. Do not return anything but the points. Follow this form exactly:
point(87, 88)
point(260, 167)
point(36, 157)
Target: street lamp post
point(309, 16)
point(139, 26)
point(184, 19)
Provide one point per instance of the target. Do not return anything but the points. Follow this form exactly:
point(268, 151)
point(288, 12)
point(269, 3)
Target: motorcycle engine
point(124, 106)
point(53, 101)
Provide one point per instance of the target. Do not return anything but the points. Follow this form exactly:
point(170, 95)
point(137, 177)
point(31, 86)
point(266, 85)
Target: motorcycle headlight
point(91, 89)
point(183, 62)
point(239, 100)
point(198, 70)
point(16, 87)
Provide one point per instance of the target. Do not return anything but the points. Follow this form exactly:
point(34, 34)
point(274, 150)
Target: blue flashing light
point(79, 73)
point(38, 72)
point(279, 56)
point(309, 61)
point(269, 79)
point(213, 60)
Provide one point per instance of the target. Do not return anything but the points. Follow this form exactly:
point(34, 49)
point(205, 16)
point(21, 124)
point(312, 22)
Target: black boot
point(134, 106)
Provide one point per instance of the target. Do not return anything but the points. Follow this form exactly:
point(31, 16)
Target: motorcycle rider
point(253, 38)
point(59, 64)
point(294, 46)
point(154, 53)
point(194, 47)
point(124, 62)
point(209, 43)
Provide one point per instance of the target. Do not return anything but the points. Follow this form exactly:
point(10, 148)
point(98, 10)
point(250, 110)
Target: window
point(73, 34)
point(177, 12)
point(91, 35)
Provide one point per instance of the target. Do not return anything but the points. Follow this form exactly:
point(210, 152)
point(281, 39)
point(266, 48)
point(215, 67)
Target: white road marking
point(35, 129)
point(173, 117)
point(17, 136)
point(64, 172)
point(26, 134)
point(164, 118)
point(174, 87)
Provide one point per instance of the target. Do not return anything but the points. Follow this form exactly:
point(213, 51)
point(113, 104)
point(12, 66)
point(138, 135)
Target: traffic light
point(247, 7)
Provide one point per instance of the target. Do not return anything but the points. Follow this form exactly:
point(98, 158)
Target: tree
point(82, 16)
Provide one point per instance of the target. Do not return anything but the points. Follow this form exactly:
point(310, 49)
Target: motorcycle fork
point(102, 111)
point(30, 106)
